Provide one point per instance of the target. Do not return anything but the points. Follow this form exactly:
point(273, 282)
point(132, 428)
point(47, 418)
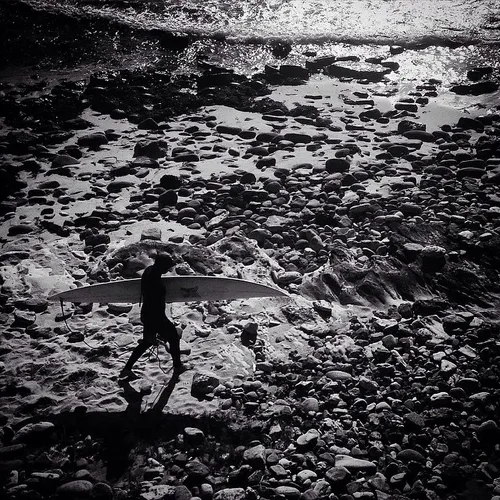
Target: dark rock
point(488, 433)
point(150, 149)
point(409, 455)
point(167, 199)
point(485, 87)
point(93, 141)
point(337, 165)
point(148, 124)
point(75, 489)
point(203, 385)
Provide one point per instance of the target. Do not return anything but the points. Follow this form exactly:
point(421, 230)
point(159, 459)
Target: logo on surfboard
point(190, 293)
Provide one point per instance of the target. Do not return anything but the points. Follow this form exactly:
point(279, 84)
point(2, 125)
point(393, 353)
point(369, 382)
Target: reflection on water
point(401, 21)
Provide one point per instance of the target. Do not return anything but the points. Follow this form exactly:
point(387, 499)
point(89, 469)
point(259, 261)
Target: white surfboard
point(179, 289)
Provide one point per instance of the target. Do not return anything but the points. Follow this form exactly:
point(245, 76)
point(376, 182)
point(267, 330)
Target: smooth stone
point(355, 464)
point(75, 489)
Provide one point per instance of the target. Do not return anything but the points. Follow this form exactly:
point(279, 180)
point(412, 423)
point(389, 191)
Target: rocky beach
point(370, 198)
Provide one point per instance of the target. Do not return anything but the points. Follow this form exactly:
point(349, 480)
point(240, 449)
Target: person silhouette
point(156, 325)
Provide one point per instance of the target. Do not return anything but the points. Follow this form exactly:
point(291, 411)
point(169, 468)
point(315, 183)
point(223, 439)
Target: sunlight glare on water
point(402, 21)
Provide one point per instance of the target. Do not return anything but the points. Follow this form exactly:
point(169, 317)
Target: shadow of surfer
point(156, 325)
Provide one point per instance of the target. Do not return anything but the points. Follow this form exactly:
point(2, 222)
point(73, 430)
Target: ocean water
point(442, 38)
point(405, 22)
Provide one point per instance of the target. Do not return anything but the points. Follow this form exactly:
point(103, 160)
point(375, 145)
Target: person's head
point(164, 262)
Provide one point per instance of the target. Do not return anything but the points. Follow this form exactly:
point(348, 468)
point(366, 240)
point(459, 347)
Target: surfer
point(156, 325)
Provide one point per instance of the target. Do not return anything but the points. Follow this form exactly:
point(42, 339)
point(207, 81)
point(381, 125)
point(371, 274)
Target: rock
point(225, 129)
point(167, 199)
point(288, 492)
point(150, 149)
point(410, 126)
point(63, 161)
point(298, 138)
point(309, 439)
point(19, 229)
point(75, 489)
point(157, 492)
point(119, 185)
point(93, 141)
point(182, 493)
point(24, 318)
point(338, 375)
point(148, 124)
point(454, 323)
point(338, 476)
point(196, 471)
point(488, 433)
point(102, 491)
point(193, 436)
point(34, 433)
point(355, 464)
point(414, 422)
point(410, 455)
point(337, 165)
point(255, 456)
point(288, 278)
point(293, 71)
point(448, 367)
point(484, 87)
point(310, 404)
point(203, 384)
point(230, 494)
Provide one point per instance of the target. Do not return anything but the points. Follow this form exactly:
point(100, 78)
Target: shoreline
point(330, 189)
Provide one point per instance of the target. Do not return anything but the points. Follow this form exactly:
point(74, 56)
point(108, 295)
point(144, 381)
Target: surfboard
point(179, 289)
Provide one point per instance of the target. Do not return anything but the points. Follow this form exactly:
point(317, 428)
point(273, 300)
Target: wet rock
point(488, 433)
point(182, 492)
point(230, 494)
point(249, 334)
point(414, 421)
point(448, 367)
point(193, 436)
point(63, 161)
point(454, 323)
point(24, 318)
point(93, 141)
point(484, 87)
point(75, 489)
point(338, 476)
point(255, 456)
point(102, 491)
point(150, 149)
point(168, 199)
point(338, 375)
point(203, 384)
point(298, 138)
point(148, 124)
point(293, 71)
point(288, 492)
point(119, 185)
point(19, 229)
point(355, 464)
point(308, 440)
point(337, 165)
point(409, 455)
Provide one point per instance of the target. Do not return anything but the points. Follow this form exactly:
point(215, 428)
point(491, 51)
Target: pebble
point(355, 464)
point(75, 489)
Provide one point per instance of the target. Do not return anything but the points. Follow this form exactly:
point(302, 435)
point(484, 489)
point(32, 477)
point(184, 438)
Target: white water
point(376, 21)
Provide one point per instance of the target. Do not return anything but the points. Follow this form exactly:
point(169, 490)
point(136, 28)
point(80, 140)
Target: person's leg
point(139, 350)
point(169, 334)
point(148, 339)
